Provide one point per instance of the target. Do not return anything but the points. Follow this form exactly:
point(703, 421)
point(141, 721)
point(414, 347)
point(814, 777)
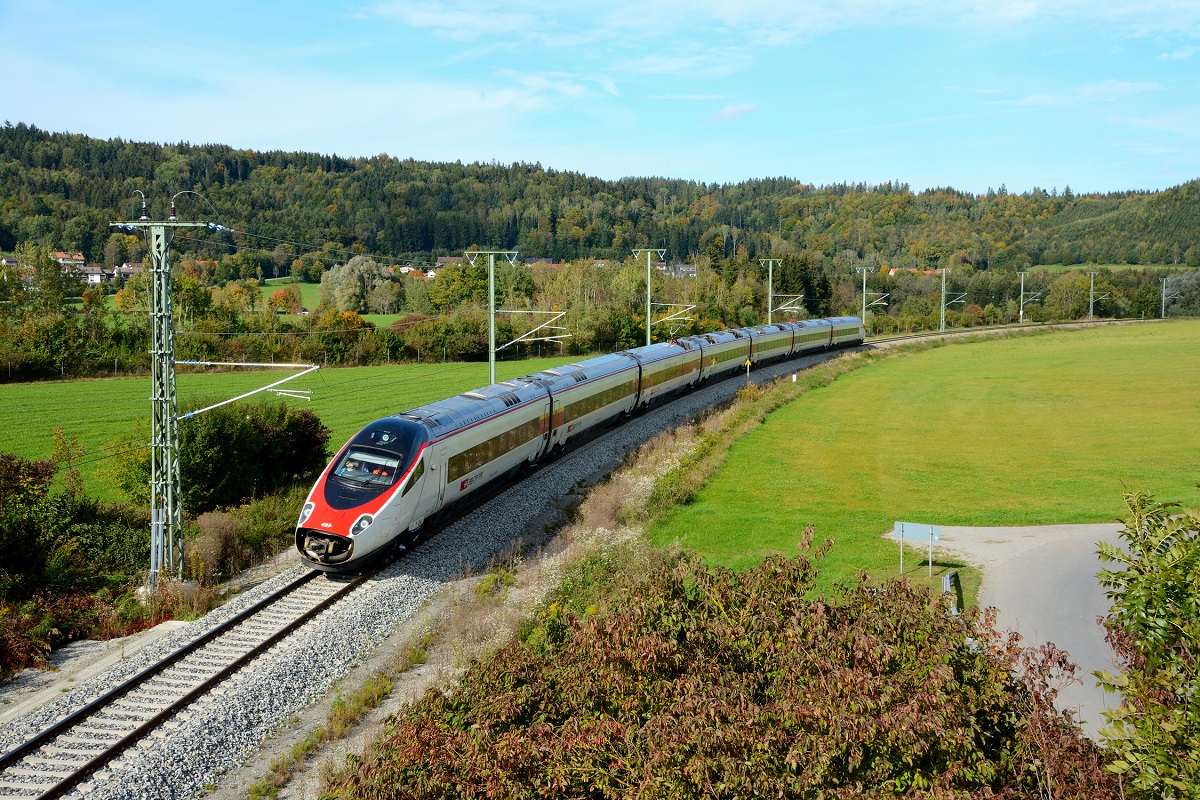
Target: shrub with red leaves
point(699, 682)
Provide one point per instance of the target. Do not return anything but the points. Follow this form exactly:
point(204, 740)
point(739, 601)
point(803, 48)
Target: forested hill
point(61, 190)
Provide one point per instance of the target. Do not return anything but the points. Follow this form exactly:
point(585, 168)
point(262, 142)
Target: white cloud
point(1104, 92)
point(732, 112)
point(1182, 54)
point(1181, 122)
point(549, 83)
point(459, 21)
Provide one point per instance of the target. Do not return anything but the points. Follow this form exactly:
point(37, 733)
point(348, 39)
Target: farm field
point(1015, 431)
point(1056, 268)
point(98, 411)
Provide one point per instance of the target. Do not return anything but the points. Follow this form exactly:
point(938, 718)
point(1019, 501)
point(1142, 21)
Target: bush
point(219, 551)
point(247, 450)
point(222, 544)
point(699, 682)
point(24, 485)
point(30, 630)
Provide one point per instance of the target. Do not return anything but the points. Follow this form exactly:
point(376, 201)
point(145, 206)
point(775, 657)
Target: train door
point(438, 465)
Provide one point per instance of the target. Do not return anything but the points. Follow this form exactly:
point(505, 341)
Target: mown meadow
point(1032, 429)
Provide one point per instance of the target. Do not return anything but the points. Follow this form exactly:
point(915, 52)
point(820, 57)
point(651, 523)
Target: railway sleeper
point(190, 673)
point(144, 700)
point(216, 664)
point(174, 687)
point(122, 717)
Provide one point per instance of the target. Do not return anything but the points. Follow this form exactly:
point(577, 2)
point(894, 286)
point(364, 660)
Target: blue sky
point(1098, 94)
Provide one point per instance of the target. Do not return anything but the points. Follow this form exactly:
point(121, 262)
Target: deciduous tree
point(1154, 629)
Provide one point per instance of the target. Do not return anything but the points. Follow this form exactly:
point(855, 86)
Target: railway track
point(77, 747)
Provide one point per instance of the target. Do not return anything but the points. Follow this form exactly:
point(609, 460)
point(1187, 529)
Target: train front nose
point(323, 535)
point(322, 548)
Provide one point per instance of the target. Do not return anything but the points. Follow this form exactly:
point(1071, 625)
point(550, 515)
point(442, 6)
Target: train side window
point(417, 472)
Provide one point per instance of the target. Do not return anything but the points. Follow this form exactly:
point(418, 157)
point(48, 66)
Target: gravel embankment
point(226, 727)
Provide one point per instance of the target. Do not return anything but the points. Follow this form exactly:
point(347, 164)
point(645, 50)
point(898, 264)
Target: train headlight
point(361, 524)
point(306, 512)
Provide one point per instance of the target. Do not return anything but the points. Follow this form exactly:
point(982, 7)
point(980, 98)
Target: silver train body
point(401, 471)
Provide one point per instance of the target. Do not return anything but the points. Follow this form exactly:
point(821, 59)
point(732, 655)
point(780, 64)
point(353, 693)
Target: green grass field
point(1023, 430)
point(98, 411)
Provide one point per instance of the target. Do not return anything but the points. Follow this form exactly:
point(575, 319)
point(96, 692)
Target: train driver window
point(366, 467)
point(417, 472)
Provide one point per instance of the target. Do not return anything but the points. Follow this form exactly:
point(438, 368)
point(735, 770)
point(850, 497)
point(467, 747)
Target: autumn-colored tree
point(286, 300)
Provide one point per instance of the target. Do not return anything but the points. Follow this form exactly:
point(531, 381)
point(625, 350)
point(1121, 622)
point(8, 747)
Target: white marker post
point(934, 535)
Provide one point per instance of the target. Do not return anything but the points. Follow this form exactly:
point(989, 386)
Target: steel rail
point(110, 753)
point(136, 680)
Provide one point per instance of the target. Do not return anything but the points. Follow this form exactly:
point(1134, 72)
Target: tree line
point(52, 326)
point(61, 190)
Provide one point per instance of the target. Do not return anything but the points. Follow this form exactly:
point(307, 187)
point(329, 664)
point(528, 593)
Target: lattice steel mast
point(166, 521)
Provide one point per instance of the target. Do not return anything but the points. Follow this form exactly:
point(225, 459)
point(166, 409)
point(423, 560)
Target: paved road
point(1043, 582)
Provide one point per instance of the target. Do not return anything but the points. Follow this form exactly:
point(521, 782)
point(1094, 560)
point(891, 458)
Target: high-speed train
point(402, 470)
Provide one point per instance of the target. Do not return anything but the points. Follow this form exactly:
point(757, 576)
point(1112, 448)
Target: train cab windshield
point(380, 454)
point(367, 467)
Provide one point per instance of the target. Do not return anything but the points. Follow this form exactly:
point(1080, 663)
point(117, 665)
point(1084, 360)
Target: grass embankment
point(1002, 431)
point(97, 411)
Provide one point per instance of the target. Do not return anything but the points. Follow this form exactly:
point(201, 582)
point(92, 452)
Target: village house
point(92, 274)
point(70, 261)
point(126, 271)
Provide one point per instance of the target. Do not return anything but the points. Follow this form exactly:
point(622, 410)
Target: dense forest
point(61, 190)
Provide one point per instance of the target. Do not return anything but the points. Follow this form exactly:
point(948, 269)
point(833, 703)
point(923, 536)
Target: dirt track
point(1042, 579)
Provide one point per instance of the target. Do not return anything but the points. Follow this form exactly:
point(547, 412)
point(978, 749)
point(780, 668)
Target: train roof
point(715, 337)
point(453, 413)
point(659, 350)
point(570, 374)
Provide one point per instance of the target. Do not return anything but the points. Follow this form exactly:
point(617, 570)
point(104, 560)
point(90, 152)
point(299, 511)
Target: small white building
point(92, 274)
point(126, 270)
